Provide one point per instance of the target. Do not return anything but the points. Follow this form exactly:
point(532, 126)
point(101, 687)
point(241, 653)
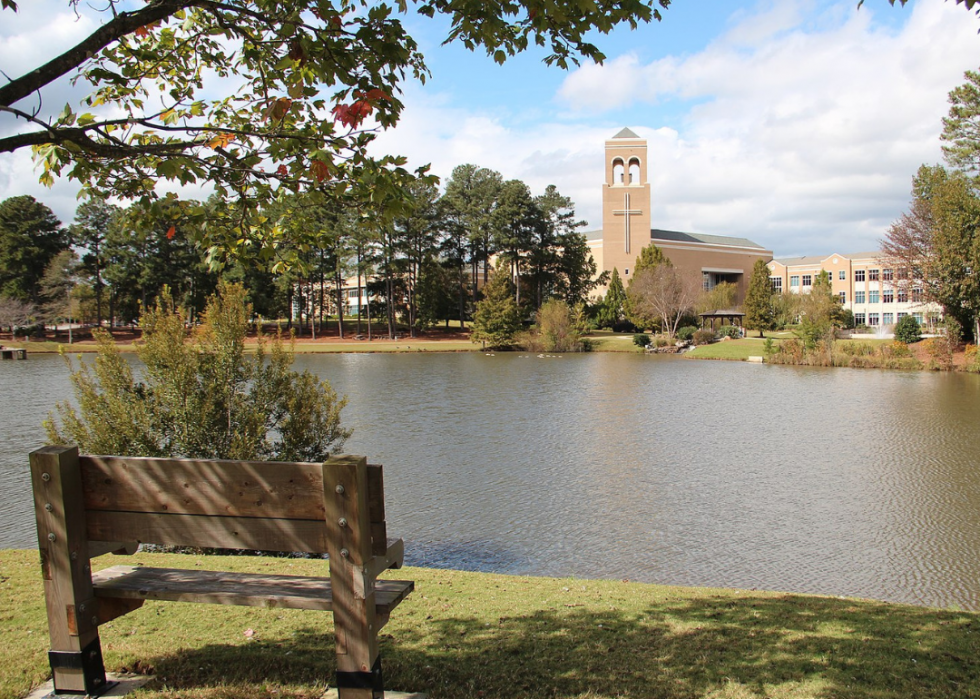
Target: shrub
point(624, 326)
point(731, 331)
point(556, 327)
point(641, 339)
point(896, 349)
point(907, 330)
point(704, 336)
point(208, 399)
point(686, 333)
point(769, 347)
point(662, 341)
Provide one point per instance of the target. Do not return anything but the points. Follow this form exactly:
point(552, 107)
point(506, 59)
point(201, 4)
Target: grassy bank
point(468, 636)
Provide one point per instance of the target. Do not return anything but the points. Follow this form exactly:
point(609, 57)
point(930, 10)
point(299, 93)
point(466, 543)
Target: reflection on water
point(838, 481)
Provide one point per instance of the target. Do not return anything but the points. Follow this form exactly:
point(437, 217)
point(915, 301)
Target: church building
point(627, 229)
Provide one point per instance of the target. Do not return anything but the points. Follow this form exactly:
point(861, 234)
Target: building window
point(807, 280)
point(887, 318)
point(706, 281)
point(873, 275)
point(903, 295)
point(794, 280)
point(859, 319)
point(903, 274)
point(842, 275)
point(352, 293)
point(858, 297)
point(887, 296)
point(873, 296)
point(777, 284)
point(887, 275)
point(902, 315)
point(916, 295)
point(859, 275)
point(918, 318)
point(842, 295)
point(873, 319)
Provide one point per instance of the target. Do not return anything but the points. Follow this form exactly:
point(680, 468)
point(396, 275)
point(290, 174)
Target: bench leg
point(354, 611)
point(73, 622)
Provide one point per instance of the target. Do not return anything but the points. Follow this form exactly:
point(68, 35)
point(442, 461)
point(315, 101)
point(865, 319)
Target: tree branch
point(121, 25)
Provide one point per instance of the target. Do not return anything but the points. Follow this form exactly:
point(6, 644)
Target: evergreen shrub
point(907, 330)
point(641, 339)
point(686, 333)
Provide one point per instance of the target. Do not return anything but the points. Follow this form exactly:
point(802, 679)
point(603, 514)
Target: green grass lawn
point(729, 349)
point(470, 636)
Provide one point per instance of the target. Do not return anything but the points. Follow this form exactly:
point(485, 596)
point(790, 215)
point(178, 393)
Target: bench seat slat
point(248, 589)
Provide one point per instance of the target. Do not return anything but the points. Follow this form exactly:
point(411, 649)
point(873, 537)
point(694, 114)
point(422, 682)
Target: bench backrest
point(274, 506)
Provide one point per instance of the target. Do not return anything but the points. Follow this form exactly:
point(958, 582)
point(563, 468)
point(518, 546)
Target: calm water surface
point(839, 481)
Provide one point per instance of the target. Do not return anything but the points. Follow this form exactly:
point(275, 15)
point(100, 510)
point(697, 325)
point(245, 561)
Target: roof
point(819, 259)
point(805, 260)
point(678, 237)
point(626, 133)
point(730, 312)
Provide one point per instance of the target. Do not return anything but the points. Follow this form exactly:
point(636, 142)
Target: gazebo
point(732, 316)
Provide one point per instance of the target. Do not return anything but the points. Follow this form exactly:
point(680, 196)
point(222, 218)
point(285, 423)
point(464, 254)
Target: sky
point(798, 124)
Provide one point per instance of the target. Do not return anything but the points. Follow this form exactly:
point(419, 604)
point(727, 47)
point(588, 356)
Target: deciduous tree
point(663, 293)
point(149, 116)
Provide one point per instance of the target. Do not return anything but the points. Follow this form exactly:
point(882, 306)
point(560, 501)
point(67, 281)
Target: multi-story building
point(878, 294)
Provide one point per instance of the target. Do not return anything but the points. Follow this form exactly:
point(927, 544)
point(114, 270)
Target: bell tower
point(625, 203)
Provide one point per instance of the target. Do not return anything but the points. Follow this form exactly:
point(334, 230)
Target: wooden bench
point(87, 506)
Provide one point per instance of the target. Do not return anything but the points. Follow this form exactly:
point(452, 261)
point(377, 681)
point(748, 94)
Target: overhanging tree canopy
point(314, 77)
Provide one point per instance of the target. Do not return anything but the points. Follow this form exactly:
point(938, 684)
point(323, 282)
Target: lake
point(658, 469)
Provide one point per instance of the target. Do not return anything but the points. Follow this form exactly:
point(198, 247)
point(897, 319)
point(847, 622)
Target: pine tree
point(758, 301)
point(612, 310)
point(497, 319)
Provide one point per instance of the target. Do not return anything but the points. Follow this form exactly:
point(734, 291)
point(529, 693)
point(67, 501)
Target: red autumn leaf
point(171, 232)
point(320, 170)
point(282, 171)
point(296, 52)
point(532, 13)
point(337, 21)
point(352, 114)
point(142, 32)
point(376, 94)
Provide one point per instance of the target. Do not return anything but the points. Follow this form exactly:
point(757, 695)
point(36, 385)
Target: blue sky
point(798, 123)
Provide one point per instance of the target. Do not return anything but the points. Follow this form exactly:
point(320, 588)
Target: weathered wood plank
point(379, 538)
point(345, 499)
point(376, 492)
point(265, 489)
point(247, 589)
point(71, 608)
point(307, 536)
point(393, 557)
point(120, 548)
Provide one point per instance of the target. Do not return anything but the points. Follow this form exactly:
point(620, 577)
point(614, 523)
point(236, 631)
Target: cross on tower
point(627, 212)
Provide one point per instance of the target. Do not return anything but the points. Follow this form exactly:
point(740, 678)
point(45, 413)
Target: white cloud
point(805, 141)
